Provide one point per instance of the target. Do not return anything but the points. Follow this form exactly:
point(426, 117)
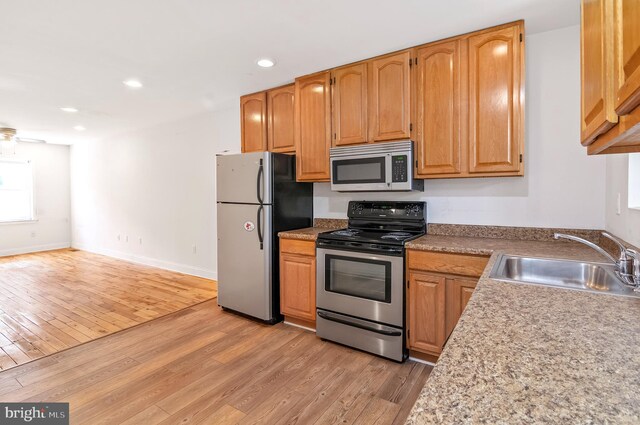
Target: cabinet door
point(495, 102)
point(298, 286)
point(627, 55)
point(426, 312)
point(458, 294)
point(438, 109)
point(313, 127)
point(280, 110)
point(389, 113)
point(253, 119)
point(596, 50)
point(349, 101)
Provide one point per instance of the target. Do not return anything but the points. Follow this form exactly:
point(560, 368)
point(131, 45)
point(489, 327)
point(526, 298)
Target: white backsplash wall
point(562, 187)
point(51, 230)
point(156, 185)
point(625, 224)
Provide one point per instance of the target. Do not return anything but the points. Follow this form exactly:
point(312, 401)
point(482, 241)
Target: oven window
point(363, 170)
point(358, 277)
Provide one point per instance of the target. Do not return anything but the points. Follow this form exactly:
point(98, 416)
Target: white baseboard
point(34, 248)
point(415, 359)
point(148, 261)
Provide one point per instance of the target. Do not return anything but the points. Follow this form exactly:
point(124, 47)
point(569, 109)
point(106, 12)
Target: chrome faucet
point(627, 265)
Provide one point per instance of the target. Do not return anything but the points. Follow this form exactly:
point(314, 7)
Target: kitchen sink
point(568, 274)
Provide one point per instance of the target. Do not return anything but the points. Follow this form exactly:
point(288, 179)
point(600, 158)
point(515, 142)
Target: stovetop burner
point(398, 236)
point(346, 232)
point(378, 227)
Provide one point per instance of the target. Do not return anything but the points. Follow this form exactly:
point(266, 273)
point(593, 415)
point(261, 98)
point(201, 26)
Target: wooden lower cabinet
point(298, 281)
point(436, 298)
point(459, 291)
point(426, 312)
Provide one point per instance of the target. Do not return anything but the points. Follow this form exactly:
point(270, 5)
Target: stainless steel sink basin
point(593, 277)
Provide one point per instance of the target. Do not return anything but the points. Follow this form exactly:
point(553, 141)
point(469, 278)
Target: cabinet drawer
point(296, 246)
point(443, 262)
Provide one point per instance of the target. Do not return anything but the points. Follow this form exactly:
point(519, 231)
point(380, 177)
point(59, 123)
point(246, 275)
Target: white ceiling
point(195, 55)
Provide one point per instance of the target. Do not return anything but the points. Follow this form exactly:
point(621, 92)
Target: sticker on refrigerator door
point(249, 226)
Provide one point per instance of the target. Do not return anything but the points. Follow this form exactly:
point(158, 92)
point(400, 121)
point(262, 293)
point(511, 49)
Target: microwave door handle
point(388, 175)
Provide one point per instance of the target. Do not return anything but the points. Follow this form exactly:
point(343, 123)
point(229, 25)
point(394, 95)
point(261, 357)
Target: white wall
point(156, 185)
point(562, 187)
point(626, 225)
point(51, 229)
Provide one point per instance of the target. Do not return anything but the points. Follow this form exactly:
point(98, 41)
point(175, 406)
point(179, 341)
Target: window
point(16, 190)
point(634, 180)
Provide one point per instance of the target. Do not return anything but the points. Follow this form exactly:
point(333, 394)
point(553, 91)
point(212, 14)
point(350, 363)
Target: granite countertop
point(307, 234)
point(488, 246)
point(534, 354)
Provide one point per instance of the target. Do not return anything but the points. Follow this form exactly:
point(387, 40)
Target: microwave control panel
point(399, 168)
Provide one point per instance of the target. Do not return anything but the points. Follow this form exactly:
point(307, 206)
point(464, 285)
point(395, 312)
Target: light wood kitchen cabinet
point(280, 119)
point(610, 76)
point(496, 118)
point(468, 113)
point(389, 101)
point(298, 281)
point(349, 104)
point(426, 312)
point(596, 50)
point(253, 122)
point(459, 291)
point(439, 288)
point(626, 65)
point(438, 109)
point(313, 127)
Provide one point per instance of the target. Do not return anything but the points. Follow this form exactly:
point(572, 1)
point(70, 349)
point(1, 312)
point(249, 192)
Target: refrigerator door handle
point(259, 182)
point(259, 221)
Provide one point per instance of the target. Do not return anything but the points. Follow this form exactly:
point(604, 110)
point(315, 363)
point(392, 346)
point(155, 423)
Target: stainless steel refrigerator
point(257, 197)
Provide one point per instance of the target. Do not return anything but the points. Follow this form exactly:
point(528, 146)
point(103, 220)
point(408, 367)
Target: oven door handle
point(358, 325)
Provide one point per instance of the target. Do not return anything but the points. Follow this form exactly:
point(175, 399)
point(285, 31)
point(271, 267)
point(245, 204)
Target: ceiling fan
point(8, 138)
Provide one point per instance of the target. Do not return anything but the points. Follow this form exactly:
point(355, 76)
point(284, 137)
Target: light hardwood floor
point(205, 366)
point(54, 300)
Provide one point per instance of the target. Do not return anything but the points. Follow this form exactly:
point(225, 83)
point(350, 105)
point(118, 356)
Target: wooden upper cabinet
point(596, 50)
point(626, 37)
point(426, 312)
point(280, 113)
point(253, 121)
point(389, 102)
point(496, 63)
point(313, 127)
point(349, 101)
point(437, 103)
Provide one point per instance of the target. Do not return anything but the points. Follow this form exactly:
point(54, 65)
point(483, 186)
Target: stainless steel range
point(360, 277)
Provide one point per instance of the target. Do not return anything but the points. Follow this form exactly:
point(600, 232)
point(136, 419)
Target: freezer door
point(244, 267)
point(244, 178)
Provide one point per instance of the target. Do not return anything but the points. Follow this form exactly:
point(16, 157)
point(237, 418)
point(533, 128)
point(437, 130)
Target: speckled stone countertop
point(311, 233)
point(529, 354)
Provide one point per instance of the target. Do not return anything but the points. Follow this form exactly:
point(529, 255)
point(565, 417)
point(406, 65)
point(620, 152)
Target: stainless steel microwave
point(374, 167)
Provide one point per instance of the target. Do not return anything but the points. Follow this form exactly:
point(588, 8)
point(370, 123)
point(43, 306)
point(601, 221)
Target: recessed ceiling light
point(69, 109)
point(79, 128)
point(134, 84)
point(265, 63)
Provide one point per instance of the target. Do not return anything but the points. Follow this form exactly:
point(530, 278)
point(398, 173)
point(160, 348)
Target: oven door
point(361, 173)
point(364, 285)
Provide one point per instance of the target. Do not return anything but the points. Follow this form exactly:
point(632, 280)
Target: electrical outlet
point(118, 238)
point(195, 249)
point(126, 238)
point(140, 240)
point(619, 205)
point(33, 234)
